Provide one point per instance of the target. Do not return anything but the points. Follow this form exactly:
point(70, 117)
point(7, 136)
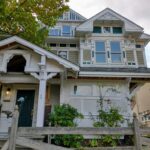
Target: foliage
point(107, 118)
point(64, 116)
point(30, 19)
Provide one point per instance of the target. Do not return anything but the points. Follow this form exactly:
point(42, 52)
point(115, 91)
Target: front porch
point(31, 78)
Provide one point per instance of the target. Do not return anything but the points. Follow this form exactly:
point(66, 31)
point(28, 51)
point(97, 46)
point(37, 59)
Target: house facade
point(103, 56)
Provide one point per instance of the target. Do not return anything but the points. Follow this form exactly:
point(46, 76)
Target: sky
point(136, 10)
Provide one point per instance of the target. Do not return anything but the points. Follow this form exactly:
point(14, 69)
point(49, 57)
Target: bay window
point(115, 51)
point(100, 52)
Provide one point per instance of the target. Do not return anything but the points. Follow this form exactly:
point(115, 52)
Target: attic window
point(117, 30)
point(97, 29)
point(16, 64)
point(106, 29)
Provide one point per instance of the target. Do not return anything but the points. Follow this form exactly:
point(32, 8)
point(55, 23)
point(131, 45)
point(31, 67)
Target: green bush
point(111, 118)
point(64, 116)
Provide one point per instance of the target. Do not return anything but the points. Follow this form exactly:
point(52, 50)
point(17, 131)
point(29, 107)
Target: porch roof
point(39, 50)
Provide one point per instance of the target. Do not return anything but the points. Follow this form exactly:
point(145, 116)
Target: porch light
point(8, 91)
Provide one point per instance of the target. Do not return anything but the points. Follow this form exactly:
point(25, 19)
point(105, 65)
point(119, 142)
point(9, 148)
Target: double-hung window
point(66, 30)
point(115, 52)
point(54, 32)
point(100, 52)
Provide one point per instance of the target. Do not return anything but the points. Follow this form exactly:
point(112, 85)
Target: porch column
point(41, 103)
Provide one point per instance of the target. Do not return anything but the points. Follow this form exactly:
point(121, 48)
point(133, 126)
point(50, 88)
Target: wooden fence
point(25, 137)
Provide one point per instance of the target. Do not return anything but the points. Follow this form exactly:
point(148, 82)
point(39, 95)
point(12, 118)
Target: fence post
point(137, 134)
point(13, 131)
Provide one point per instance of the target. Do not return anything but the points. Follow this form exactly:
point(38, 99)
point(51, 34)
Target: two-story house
point(103, 56)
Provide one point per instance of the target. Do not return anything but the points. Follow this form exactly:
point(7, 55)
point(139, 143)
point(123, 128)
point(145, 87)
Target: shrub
point(64, 116)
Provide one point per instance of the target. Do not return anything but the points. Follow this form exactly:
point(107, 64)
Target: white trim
point(40, 51)
point(113, 74)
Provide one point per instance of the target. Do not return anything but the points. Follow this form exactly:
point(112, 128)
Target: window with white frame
point(82, 90)
point(66, 30)
point(115, 52)
point(100, 54)
point(62, 54)
point(106, 29)
point(54, 32)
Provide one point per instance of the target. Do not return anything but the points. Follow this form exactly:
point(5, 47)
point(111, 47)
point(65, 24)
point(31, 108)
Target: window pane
point(97, 30)
point(115, 47)
point(100, 58)
point(66, 30)
point(116, 58)
point(100, 46)
point(106, 29)
point(117, 30)
point(62, 54)
point(54, 32)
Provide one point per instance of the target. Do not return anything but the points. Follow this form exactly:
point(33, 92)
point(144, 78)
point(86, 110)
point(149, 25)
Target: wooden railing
point(24, 136)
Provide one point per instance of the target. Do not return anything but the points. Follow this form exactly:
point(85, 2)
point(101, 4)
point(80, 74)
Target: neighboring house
point(101, 56)
point(141, 104)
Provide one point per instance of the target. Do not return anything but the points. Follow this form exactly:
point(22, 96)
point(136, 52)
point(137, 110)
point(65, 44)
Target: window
point(106, 30)
point(117, 30)
point(73, 45)
point(100, 52)
point(139, 46)
point(66, 31)
point(115, 52)
point(54, 32)
point(53, 45)
point(62, 54)
point(96, 29)
point(63, 45)
point(82, 90)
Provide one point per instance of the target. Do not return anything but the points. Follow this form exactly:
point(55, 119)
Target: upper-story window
point(100, 52)
point(66, 30)
point(117, 30)
point(54, 32)
point(106, 29)
point(97, 29)
point(115, 51)
point(62, 54)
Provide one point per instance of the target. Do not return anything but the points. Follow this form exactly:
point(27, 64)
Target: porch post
point(41, 103)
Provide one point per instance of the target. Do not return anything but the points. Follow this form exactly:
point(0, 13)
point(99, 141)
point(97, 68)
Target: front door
point(25, 102)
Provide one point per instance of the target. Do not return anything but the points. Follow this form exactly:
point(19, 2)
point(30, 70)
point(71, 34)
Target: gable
point(108, 14)
point(72, 15)
point(13, 40)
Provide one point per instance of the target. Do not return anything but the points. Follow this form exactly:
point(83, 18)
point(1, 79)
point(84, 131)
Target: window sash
point(66, 30)
point(100, 57)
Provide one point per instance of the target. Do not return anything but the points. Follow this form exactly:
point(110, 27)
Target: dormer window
point(66, 30)
point(106, 29)
point(117, 30)
point(97, 29)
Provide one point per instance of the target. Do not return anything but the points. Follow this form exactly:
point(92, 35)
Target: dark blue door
point(25, 102)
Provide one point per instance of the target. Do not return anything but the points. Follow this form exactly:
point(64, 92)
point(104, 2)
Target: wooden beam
point(111, 148)
point(13, 131)
point(5, 146)
point(137, 134)
point(79, 130)
point(145, 131)
point(37, 145)
point(145, 141)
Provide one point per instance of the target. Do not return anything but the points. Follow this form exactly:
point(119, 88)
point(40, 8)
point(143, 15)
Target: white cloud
point(135, 10)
